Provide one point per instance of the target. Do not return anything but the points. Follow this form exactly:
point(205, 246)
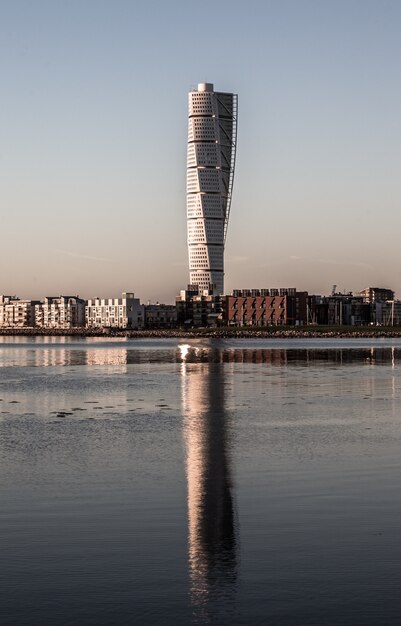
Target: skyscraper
point(212, 136)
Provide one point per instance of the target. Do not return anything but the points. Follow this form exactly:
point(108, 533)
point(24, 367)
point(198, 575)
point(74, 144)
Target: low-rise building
point(342, 309)
point(160, 315)
point(199, 308)
point(16, 313)
point(388, 313)
point(124, 312)
point(266, 307)
point(60, 312)
point(371, 295)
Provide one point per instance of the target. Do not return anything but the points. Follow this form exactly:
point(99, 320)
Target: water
point(165, 482)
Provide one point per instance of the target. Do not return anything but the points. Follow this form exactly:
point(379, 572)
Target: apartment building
point(160, 315)
point(266, 307)
point(376, 294)
point(199, 308)
point(124, 312)
point(388, 313)
point(60, 312)
point(342, 309)
point(16, 313)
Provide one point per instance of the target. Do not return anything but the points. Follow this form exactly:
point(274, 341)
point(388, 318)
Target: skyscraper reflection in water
point(212, 528)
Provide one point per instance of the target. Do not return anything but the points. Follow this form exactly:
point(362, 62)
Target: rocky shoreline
point(218, 333)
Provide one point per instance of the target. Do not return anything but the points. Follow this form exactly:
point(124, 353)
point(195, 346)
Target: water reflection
point(94, 353)
point(212, 528)
point(287, 356)
point(59, 356)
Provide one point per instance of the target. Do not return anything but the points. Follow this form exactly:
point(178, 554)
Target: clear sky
point(93, 125)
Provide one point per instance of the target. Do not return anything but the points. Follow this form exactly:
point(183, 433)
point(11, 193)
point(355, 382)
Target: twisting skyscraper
point(212, 135)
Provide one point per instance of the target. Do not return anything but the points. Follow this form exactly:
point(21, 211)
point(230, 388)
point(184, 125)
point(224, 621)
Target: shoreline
point(209, 333)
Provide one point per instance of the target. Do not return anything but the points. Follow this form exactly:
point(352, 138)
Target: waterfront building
point(16, 313)
point(160, 315)
point(60, 312)
point(212, 137)
point(198, 309)
point(342, 309)
point(388, 313)
point(124, 312)
point(376, 294)
point(266, 307)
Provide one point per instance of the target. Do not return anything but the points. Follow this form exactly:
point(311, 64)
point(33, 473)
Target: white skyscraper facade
point(212, 138)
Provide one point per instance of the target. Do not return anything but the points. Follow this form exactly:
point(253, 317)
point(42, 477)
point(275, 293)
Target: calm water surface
point(165, 482)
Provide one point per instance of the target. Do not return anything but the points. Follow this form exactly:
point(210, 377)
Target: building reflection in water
point(61, 353)
point(212, 527)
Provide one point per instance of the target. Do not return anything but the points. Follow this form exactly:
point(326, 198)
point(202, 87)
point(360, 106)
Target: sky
point(93, 134)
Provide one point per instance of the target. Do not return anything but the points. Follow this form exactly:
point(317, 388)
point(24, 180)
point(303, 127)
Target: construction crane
point(333, 291)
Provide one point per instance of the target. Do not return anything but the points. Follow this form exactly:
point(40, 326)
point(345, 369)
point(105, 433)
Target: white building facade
point(16, 313)
point(60, 312)
point(212, 137)
point(124, 312)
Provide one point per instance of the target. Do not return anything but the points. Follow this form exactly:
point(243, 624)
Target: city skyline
point(93, 144)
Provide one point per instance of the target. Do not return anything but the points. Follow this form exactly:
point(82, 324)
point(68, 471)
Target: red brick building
point(266, 307)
